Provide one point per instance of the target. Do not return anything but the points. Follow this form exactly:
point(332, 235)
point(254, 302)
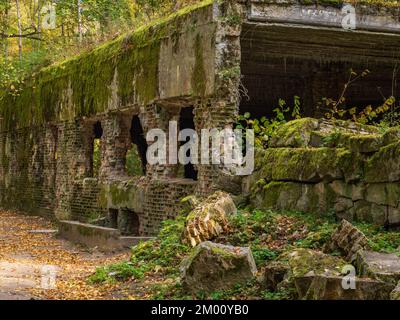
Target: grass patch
point(268, 233)
point(161, 255)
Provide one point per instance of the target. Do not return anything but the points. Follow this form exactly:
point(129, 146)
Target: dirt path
point(34, 264)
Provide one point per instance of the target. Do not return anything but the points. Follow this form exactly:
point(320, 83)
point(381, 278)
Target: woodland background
point(37, 33)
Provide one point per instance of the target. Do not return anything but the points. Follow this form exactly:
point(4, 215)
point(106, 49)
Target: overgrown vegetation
point(264, 128)
point(37, 33)
point(382, 115)
point(270, 234)
point(133, 164)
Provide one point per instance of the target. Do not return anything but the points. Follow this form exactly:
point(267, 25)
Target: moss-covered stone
point(384, 166)
point(294, 133)
point(307, 164)
point(304, 261)
point(365, 143)
point(312, 198)
point(122, 194)
point(391, 135)
point(212, 267)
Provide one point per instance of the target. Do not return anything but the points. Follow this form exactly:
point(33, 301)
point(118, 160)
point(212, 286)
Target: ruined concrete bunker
point(201, 67)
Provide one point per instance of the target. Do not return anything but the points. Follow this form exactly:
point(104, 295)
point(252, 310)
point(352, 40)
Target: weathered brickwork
point(49, 168)
point(208, 58)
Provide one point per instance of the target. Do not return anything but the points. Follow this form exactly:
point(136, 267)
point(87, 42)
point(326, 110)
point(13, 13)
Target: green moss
point(302, 261)
point(383, 165)
point(81, 86)
point(199, 73)
point(339, 3)
point(133, 163)
point(294, 133)
point(391, 135)
point(304, 164)
point(118, 195)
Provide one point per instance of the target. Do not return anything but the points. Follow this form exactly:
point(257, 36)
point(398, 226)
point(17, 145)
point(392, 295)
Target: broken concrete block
point(306, 261)
point(388, 162)
point(212, 267)
point(348, 240)
point(273, 274)
point(395, 294)
point(209, 218)
point(296, 133)
point(328, 287)
point(381, 266)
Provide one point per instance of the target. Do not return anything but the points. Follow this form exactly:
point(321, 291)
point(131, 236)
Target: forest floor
point(34, 264)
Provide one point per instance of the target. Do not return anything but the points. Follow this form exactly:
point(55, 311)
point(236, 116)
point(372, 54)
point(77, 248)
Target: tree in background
point(36, 33)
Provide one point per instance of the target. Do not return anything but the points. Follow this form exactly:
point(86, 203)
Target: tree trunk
point(5, 27)
point(19, 29)
point(39, 23)
point(80, 20)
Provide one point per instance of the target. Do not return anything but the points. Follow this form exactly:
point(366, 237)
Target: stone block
point(381, 266)
point(328, 287)
point(106, 239)
point(213, 267)
point(348, 240)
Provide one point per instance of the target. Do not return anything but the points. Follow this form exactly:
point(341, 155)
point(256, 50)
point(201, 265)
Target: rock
point(391, 135)
point(318, 276)
point(384, 166)
point(189, 203)
point(273, 274)
point(306, 261)
point(351, 191)
point(381, 266)
point(365, 143)
point(348, 240)
point(343, 206)
point(213, 267)
point(209, 219)
point(317, 198)
point(384, 194)
point(393, 216)
point(395, 294)
point(328, 287)
point(295, 133)
point(306, 164)
point(370, 212)
point(229, 182)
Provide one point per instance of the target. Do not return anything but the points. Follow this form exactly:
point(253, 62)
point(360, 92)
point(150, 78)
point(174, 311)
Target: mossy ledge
point(82, 86)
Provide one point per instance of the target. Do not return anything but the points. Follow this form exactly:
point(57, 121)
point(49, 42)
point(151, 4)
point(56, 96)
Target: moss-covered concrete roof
point(82, 85)
point(380, 3)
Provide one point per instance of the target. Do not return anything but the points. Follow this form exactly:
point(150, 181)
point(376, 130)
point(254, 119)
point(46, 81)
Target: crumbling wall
point(47, 130)
point(191, 59)
point(337, 167)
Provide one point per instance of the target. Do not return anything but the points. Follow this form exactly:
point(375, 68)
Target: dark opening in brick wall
point(96, 149)
point(128, 222)
point(136, 161)
point(113, 218)
point(186, 121)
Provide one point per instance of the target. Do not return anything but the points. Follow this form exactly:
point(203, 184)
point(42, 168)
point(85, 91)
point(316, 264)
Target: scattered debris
point(209, 219)
point(348, 240)
point(273, 274)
